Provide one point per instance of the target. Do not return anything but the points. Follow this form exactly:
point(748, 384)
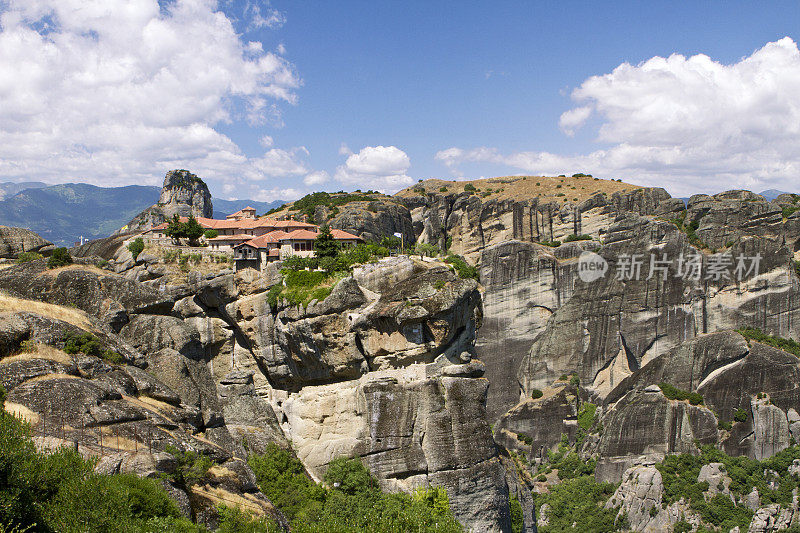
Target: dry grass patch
point(557, 189)
point(43, 351)
point(22, 412)
point(75, 266)
point(76, 317)
point(49, 377)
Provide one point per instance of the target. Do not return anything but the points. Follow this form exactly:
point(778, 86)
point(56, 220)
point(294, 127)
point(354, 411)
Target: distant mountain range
point(64, 213)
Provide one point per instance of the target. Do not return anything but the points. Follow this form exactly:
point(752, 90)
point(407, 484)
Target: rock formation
point(183, 193)
point(14, 241)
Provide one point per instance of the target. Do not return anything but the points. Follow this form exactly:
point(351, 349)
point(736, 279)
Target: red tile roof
point(237, 237)
point(340, 235)
point(268, 238)
point(300, 235)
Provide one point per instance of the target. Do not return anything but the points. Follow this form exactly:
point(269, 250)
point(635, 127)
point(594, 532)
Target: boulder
point(14, 241)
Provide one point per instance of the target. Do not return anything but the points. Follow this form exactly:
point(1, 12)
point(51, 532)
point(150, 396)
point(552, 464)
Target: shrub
point(442, 189)
point(470, 188)
point(551, 244)
point(192, 467)
point(536, 393)
point(28, 346)
point(136, 247)
point(464, 269)
point(88, 344)
point(541, 478)
point(740, 415)
point(587, 415)
point(724, 425)
point(581, 175)
point(60, 492)
point(573, 237)
point(579, 501)
point(516, 514)
point(525, 439)
point(27, 257)
point(211, 234)
point(59, 258)
point(787, 345)
point(673, 393)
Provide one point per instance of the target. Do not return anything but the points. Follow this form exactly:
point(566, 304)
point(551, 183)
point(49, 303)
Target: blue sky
point(290, 97)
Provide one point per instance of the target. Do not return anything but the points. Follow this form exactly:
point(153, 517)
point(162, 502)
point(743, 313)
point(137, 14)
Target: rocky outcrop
point(126, 417)
point(183, 193)
point(613, 326)
point(640, 497)
point(14, 241)
point(370, 220)
point(646, 423)
point(535, 426)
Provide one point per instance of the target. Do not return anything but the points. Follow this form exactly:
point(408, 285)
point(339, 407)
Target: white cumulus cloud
point(376, 167)
point(684, 123)
point(316, 178)
point(112, 92)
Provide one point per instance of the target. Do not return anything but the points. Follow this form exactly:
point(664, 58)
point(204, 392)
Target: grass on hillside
point(579, 188)
point(70, 315)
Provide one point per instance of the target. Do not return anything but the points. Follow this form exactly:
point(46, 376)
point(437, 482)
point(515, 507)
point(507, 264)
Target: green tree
point(175, 229)
point(59, 258)
point(193, 230)
point(211, 234)
point(136, 247)
point(325, 245)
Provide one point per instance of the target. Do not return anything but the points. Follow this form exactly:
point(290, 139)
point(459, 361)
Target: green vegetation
point(308, 204)
point(60, 492)
point(790, 210)
point(516, 514)
point(88, 344)
point(551, 244)
point(442, 189)
point(787, 345)
point(424, 248)
point(581, 175)
point(525, 439)
point(689, 229)
point(136, 247)
point(192, 467)
point(325, 245)
point(577, 505)
point(740, 415)
point(536, 394)
point(27, 257)
point(59, 258)
point(350, 499)
point(191, 230)
point(462, 268)
point(211, 234)
point(303, 282)
point(674, 393)
point(679, 474)
point(470, 188)
point(571, 238)
point(587, 415)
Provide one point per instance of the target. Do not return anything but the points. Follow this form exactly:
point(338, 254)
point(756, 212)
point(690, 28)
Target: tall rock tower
point(183, 193)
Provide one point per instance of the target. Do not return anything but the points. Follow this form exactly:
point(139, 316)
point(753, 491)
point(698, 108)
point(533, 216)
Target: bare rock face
point(14, 241)
point(543, 420)
point(428, 315)
point(383, 369)
point(640, 497)
point(611, 327)
point(471, 224)
point(183, 193)
point(370, 220)
point(647, 423)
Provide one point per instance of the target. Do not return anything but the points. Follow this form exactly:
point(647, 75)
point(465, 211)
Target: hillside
point(559, 188)
point(63, 213)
